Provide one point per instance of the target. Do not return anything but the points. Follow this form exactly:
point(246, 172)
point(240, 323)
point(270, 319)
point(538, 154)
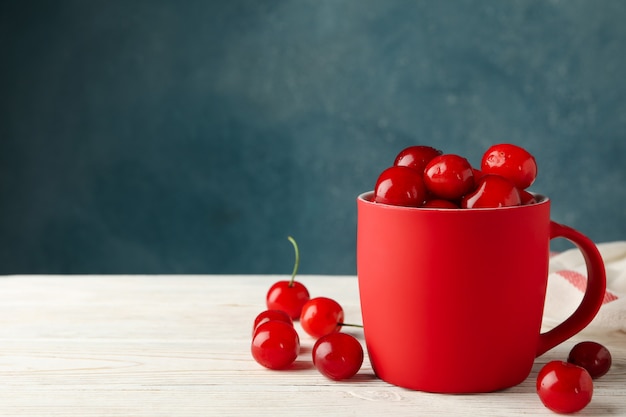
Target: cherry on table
point(288, 296)
point(400, 186)
point(270, 315)
point(275, 344)
point(321, 316)
point(592, 356)
point(338, 356)
point(564, 387)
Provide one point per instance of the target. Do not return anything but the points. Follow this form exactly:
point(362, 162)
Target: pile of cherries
point(422, 176)
point(276, 343)
point(567, 386)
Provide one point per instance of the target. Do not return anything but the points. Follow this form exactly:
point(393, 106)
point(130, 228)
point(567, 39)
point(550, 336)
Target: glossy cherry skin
point(321, 316)
point(477, 174)
point(287, 296)
point(400, 186)
point(564, 387)
point(592, 356)
point(526, 197)
point(492, 191)
point(275, 344)
point(440, 203)
point(416, 157)
point(449, 176)
point(269, 315)
point(511, 162)
point(338, 356)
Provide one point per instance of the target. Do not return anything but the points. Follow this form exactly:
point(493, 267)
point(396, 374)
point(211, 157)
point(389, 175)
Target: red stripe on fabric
point(579, 281)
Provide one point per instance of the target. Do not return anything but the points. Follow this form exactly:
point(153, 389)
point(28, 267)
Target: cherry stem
point(297, 261)
point(350, 325)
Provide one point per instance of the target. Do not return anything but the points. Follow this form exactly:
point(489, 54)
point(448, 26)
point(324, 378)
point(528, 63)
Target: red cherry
point(511, 162)
point(564, 387)
point(439, 203)
point(338, 356)
point(321, 316)
point(400, 186)
point(492, 191)
point(449, 176)
point(526, 197)
point(270, 315)
point(288, 296)
point(416, 157)
point(477, 174)
point(592, 356)
point(275, 345)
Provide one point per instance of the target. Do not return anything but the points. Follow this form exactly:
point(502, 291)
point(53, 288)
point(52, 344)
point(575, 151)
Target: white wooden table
point(180, 346)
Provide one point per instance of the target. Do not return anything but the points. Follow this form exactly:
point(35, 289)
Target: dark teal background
point(194, 136)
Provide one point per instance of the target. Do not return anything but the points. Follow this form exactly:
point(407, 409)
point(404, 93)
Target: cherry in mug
point(422, 176)
point(452, 299)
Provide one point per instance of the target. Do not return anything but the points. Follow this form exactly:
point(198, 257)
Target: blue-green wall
point(194, 136)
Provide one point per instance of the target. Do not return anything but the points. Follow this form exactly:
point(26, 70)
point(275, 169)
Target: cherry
point(564, 387)
point(526, 197)
point(492, 191)
point(416, 157)
point(275, 344)
point(449, 176)
point(592, 356)
point(338, 356)
point(288, 296)
point(440, 203)
point(477, 174)
point(512, 162)
point(400, 186)
point(269, 315)
point(321, 316)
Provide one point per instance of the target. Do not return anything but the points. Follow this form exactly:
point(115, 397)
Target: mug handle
point(594, 293)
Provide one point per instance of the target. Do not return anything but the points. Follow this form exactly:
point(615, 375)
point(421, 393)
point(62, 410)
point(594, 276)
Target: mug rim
point(366, 198)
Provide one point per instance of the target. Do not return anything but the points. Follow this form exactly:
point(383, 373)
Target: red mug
point(452, 299)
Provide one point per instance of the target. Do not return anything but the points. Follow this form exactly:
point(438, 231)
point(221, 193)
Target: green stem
point(297, 261)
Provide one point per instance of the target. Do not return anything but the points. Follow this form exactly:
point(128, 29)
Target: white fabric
point(567, 280)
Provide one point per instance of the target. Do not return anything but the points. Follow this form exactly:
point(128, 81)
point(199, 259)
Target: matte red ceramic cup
point(452, 299)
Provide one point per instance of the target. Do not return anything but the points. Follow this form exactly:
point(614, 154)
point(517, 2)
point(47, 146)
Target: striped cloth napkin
point(567, 281)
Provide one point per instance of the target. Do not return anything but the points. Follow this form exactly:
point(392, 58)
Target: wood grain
point(179, 346)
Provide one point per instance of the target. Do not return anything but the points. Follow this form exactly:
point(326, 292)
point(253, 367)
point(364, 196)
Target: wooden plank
point(179, 345)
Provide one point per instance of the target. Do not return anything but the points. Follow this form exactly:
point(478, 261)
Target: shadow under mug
point(452, 299)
